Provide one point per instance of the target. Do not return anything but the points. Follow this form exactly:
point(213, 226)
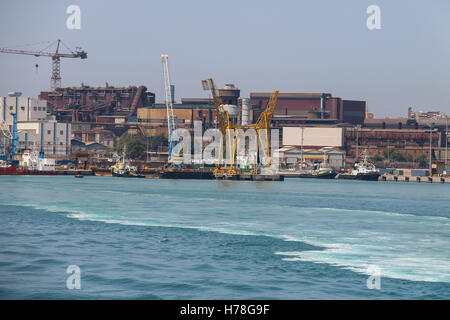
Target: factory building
point(153, 120)
point(98, 114)
point(318, 108)
point(37, 131)
point(292, 157)
point(51, 137)
point(85, 103)
point(27, 109)
point(373, 141)
point(313, 137)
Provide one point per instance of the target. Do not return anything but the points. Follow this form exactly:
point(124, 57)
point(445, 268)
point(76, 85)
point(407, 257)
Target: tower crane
point(56, 57)
point(171, 119)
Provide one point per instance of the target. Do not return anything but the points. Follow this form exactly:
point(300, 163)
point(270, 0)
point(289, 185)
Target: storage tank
point(233, 110)
point(245, 111)
point(229, 96)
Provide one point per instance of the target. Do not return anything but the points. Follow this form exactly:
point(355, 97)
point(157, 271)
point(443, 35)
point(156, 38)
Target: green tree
point(377, 157)
point(135, 145)
point(157, 141)
point(422, 161)
point(393, 155)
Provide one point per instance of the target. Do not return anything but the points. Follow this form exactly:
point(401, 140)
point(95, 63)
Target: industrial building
point(415, 142)
point(37, 131)
point(313, 137)
point(27, 109)
point(153, 120)
point(292, 157)
point(314, 108)
point(50, 137)
point(85, 103)
point(97, 114)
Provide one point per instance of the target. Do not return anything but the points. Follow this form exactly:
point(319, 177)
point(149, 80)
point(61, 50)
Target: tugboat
point(364, 170)
point(125, 169)
point(35, 163)
point(321, 171)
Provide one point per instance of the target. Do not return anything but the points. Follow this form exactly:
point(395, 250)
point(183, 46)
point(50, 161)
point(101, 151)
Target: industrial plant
point(81, 127)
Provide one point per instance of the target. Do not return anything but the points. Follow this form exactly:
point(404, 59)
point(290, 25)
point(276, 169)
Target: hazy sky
point(294, 46)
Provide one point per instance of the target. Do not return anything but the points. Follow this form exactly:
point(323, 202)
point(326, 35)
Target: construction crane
point(56, 57)
point(171, 119)
point(264, 121)
point(223, 119)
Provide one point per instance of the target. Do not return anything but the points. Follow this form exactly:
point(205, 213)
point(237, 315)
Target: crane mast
point(171, 121)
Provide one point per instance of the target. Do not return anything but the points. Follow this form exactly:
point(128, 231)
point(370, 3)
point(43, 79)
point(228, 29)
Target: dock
point(420, 179)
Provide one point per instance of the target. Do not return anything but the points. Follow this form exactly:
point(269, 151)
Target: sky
point(293, 46)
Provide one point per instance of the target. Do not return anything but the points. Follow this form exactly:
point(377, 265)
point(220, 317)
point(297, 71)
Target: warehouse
point(311, 107)
point(313, 137)
point(292, 156)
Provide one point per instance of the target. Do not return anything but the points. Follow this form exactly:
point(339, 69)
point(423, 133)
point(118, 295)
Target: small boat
point(79, 176)
point(321, 171)
point(124, 169)
point(364, 170)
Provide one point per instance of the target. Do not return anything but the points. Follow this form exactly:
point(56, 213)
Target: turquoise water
point(187, 239)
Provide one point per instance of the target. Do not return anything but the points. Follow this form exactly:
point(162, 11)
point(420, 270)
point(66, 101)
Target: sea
point(119, 238)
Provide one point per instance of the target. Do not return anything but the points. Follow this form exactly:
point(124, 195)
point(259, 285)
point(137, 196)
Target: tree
point(393, 155)
point(422, 160)
point(157, 141)
point(377, 157)
point(135, 145)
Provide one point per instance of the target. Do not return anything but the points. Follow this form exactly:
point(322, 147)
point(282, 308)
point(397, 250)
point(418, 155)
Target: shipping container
point(385, 171)
point(420, 172)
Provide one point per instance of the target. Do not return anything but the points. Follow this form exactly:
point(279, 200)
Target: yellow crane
point(264, 121)
point(223, 119)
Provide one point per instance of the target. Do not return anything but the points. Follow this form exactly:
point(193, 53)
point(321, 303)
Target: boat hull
point(360, 176)
point(127, 175)
point(27, 172)
point(328, 175)
point(8, 170)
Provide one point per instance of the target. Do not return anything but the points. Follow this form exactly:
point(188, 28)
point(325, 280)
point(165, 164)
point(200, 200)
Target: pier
point(422, 179)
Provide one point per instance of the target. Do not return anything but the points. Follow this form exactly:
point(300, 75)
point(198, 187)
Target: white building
point(27, 109)
point(36, 131)
point(313, 136)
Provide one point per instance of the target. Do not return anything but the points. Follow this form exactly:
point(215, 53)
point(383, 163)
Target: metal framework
point(223, 119)
point(171, 119)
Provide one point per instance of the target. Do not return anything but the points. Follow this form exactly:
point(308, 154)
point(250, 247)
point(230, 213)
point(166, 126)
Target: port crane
point(264, 121)
point(223, 119)
point(56, 57)
point(262, 125)
point(171, 119)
